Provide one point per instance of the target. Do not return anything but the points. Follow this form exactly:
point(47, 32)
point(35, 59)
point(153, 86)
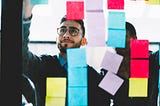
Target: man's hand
point(27, 8)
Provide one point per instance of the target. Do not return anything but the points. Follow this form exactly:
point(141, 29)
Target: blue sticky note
point(77, 76)
point(116, 20)
point(34, 2)
point(116, 38)
point(77, 96)
point(76, 57)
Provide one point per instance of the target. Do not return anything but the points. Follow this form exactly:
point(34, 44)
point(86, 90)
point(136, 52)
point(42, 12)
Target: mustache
point(67, 40)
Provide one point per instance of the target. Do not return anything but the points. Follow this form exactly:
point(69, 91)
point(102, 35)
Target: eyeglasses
point(72, 31)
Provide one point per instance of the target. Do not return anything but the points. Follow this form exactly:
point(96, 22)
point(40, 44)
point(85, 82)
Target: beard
point(63, 47)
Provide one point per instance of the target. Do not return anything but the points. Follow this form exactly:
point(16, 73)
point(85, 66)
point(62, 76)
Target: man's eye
point(63, 30)
point(73, 31)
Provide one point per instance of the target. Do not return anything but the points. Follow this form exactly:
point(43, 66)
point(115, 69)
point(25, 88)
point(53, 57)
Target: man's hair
point(78, 21)
point(131, 29)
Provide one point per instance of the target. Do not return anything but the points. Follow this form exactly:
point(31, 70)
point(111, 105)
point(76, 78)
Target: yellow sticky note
point(56, 87)
point(153, 1)
point(53, 101)
point(138, 87)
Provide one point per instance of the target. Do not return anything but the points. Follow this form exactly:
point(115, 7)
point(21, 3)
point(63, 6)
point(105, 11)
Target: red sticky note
point(139, 48)
point(75, 10)
point(115, 4)
point(139, 68)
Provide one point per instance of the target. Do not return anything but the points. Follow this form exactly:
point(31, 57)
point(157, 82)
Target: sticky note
point(138, 87)
point(116, 20)
point(139, 48)
point(77, 96)
point(75, 10)
point(139, 68)
point(94, 4)
point(155, 2)
point(77, 76)
point(96, 29)
point(34, 2)
point(54, 101)
point(111, 61)
point(76, 57)
point(111, 83)
point(115, 4)
point(116, 38)
point(56, 87)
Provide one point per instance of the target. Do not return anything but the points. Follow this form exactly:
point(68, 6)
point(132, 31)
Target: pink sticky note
point(95, 28)
point(115, 4)
point(111, 61)
point(111, 83)
point(139, 68)
point(75, 10)
point(139, 48)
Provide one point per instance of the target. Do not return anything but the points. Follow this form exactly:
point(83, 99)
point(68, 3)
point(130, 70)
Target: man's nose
point(67, 34)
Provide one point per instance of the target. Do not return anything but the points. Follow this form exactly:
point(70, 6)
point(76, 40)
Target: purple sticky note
point(94, 4)
point(96, 29)
point(111, 83)
point(111, 61)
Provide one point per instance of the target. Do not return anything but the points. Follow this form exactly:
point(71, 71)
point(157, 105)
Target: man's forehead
point(70, 23)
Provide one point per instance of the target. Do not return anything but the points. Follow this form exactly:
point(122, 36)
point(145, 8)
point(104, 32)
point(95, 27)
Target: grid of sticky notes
point(116, 24)
point(75, 10)
point(139, 68)
point(55, 91)
point(77, 77)
point(95, 22)
point(35, 2)
point(111, 82)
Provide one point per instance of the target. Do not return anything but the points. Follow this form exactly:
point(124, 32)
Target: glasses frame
point(68, 30)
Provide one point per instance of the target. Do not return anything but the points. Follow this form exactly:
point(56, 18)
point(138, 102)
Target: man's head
point(130, 34)
point(71, 34)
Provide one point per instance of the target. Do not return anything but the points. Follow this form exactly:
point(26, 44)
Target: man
point(121, 97)
point(71, 35)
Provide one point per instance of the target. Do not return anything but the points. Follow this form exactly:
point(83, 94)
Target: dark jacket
point(121, 97)
point(39, 68)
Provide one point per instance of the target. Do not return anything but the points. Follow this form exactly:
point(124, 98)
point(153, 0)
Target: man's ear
point(84, 41)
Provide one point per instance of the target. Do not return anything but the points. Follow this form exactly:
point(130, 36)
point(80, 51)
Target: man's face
point(70, 35)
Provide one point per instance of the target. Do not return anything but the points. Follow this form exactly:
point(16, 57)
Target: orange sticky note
point(139, 68)
point(75, 10)
point(138, 87)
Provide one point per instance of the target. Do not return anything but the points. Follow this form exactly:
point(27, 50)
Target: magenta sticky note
point(139, 48)
point(111, 83)
point(95, 24)
point(115, 4)
point(75, 10)
point(111, 61)
point(139, 68)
